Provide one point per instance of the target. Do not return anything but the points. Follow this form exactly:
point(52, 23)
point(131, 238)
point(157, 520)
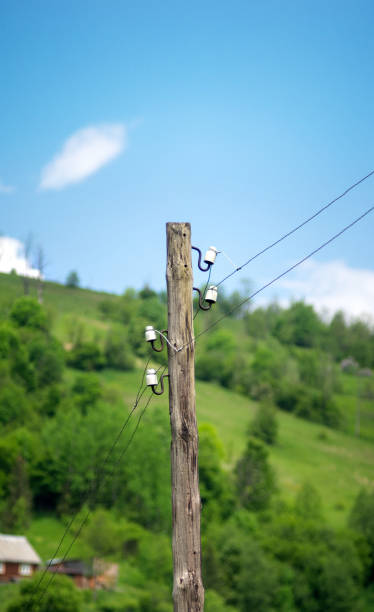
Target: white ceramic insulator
point(211, 294)
point(210, 255)
point(150, 333)
point(151, 378)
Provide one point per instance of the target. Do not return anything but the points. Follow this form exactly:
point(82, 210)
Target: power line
point(84, 521)
point(292, 231)
point(91, 490)
point(347, 227)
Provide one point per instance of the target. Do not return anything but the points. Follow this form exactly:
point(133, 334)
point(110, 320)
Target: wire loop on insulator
point(150, 336)
point(209, 259)
point(151, 381)
point(201, 305)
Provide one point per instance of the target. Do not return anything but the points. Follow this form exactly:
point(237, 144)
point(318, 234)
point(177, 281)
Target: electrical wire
point(140, 393)
point(164, 337)
point(235, 266)
point(91, 490)
point(298, 263)
point(295, 229)
point(84, 521)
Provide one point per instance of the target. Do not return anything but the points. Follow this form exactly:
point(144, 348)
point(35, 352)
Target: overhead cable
point(84, 521)
point(298, 263)
point(295, 229)
point(90, 491)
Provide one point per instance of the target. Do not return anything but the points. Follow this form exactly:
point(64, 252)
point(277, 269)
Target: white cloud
point(5, 188)
point(82, 154)
point(333, 286)
point(12, 257)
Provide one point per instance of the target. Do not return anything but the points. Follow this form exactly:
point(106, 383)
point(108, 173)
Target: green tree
point(308, 503)
point(215, 487)
point(128, 307)
point(146, 293)
point(270, 365)
point(338, 340)
point(255, 478)
point(256, 323)
point(86, 356)
point(153, 311)
point(308, 403)
point(142, 487)
point(14, 407)
point(17, 511)
point(9, 340)
point(264, 425)
point(73, 446)
point(249, 578)
point(86, 390)
point(47, 359)
point(61, 596)
point(27, 312)
point(299, 325)
point(257, 581)
point(360, 343)
point(72, 280)
point(104, 533)
point(316, 369)
point(327, 570)
point(117, 350)
point(217, 362)
point(215, 603)
point(232, 304)
point(362, 520)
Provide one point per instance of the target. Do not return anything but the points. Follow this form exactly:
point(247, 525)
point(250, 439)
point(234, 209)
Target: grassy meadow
point(337, 462)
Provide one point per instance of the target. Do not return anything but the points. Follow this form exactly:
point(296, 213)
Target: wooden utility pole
point(188, 590)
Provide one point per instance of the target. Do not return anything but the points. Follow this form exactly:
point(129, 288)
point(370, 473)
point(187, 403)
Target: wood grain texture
point(188, 591)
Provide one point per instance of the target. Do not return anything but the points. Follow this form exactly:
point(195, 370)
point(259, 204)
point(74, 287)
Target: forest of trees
point(259, 552)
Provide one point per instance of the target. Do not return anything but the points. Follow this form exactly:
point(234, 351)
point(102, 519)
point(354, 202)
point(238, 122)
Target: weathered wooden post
point(188, 591)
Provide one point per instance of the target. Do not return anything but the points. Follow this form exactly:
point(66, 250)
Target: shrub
point(8, 340)
point(86, 356)
point(362, 520)
point(308, 503)
point(216, 603)
point(311, 404)
point(104, 534)
point(47, 358)
point(72, 280)
point(61, 596)
point(87, 390)
point(27, 312)
point(118, 353)
point(255, 478)
point(215, 491)
point(265, 425)
point(13, 404)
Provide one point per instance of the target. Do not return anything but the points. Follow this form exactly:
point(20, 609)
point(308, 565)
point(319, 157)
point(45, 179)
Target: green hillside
point(70, 372)
point(337, 462)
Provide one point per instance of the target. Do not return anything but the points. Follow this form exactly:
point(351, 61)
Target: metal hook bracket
point(162, 385)
point(161, 347)
point(201, 305)
point(199, 261)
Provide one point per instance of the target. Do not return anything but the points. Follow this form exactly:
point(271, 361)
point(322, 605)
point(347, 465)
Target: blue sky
point(240, 117)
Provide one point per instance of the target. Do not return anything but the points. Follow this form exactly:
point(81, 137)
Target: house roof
point(17, 549)
point(72, 567)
